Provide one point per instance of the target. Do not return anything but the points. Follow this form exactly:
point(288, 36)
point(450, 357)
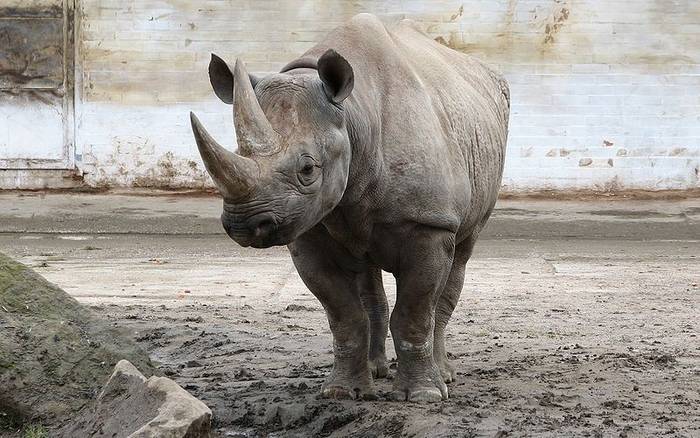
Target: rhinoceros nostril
point(262, 225)
point(264, 228)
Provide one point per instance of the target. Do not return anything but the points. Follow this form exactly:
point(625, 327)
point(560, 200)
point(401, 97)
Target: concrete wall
point(605, 93)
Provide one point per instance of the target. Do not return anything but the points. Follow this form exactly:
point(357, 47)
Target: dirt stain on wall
point(458, 14)
point(520, 36)
point(133, 162)
point(558, 20)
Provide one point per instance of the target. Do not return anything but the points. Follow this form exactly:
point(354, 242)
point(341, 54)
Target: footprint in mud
point(300, 308)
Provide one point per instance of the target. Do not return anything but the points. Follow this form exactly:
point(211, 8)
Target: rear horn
point(253, 130)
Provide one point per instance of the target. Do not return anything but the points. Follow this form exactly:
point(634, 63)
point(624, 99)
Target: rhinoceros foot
point(420, 394)
point(419, 384)
point(378, 367)
point(446, 370)
point(341, 386)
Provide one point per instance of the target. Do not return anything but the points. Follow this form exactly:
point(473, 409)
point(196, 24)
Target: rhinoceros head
point(291, 167)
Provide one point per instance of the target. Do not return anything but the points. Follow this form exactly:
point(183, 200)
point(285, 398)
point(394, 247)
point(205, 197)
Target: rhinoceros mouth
point(246, 240)
point(262, 230)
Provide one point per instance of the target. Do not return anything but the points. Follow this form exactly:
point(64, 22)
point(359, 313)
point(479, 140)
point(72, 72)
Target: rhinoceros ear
point(221, 79)
point(336, 74)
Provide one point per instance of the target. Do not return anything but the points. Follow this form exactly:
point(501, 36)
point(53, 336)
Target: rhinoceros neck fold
point(367, 164)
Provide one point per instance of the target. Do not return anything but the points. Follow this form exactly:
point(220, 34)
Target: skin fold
point(378, 149)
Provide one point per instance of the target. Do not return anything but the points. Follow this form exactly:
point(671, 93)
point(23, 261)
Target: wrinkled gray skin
point(378, 149)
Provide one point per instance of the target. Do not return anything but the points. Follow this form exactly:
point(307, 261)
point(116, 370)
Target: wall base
point(39, 179)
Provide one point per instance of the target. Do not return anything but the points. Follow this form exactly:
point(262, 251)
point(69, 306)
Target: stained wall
point(605, 93)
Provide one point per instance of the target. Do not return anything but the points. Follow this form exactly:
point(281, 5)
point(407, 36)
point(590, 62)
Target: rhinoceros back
point(442, 114)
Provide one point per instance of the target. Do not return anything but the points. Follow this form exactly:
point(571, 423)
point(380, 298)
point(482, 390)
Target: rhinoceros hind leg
point(446, 305)
point(373, 299)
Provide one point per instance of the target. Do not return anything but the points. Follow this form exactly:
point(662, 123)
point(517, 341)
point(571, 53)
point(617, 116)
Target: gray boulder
point(130, 405)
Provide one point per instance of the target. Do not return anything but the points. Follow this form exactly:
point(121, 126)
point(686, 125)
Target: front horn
point(233, 174)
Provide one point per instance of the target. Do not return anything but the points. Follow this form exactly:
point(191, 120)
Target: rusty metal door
point(36, 84)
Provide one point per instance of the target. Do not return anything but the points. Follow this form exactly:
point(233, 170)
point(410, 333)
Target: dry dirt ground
point(577, 318)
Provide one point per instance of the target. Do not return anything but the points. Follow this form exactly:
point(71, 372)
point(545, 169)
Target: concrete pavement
point(147, 212)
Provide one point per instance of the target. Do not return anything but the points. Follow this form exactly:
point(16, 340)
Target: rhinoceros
point(379, 149)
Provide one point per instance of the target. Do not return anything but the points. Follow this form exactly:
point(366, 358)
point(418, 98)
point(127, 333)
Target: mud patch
point(539, 372)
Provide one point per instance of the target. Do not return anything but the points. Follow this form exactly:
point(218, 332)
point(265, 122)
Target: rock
point(133, 406)
point(55, 354)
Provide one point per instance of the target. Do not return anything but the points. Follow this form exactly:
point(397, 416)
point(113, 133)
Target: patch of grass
point(34, 431)
point(9, 421)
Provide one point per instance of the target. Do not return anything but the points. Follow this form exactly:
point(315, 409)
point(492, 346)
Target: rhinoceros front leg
point(425, 263)
point(446, 305)
point(373, 297)
point(319, 263)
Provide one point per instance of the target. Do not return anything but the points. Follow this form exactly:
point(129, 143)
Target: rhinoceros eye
point(309, 170)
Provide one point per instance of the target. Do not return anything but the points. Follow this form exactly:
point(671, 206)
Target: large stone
point(130, 405)
point(55, 354)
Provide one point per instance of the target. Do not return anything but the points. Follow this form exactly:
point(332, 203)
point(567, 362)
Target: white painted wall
point(605, 93)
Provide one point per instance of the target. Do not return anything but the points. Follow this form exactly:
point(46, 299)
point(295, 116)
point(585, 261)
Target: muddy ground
point(577, 319)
